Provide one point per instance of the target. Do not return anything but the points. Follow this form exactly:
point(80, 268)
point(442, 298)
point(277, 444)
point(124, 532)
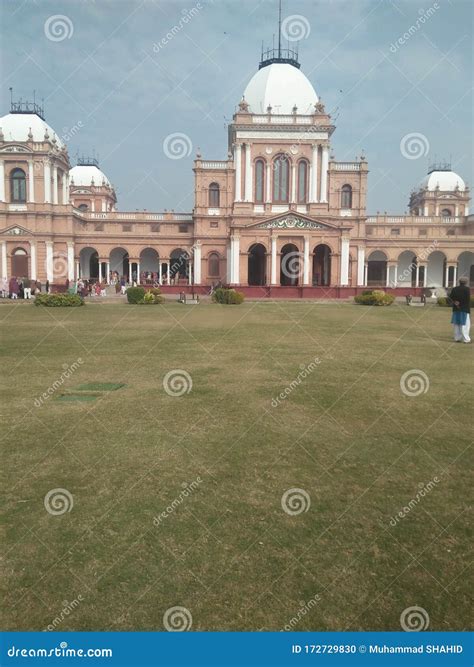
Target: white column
point(274, 261)
point(93, 205)
point(366, 270)
point(130, 280)
point(268, 193)
point(100, 270)
point(248, 174)
point(360, 266)
point(235, 252)
point(78, 269)
point(33, 261)
point(395, 281)
point(104, 206)
point(138, 273)
point(47, 182)
point(238, 172)
point(55, 184)
point(229, 263)
point(324, 175)
point(49, 262)
point(4, 260)
point(2, 180)
point(293, 183)
point(387, 277)
point(306, 261)
point(160, 271)
point(344, 274)
point(197, 263)
point(455, 275)
point(437, 209)
point(70, 261)
point(31, 181)
point(417, 275)
point(446, 275)
point(65, 183)
point(190, 273)
point(456, 211)
point(167, 272)
point(107, 268)
point(313, 175)
point(425, 275)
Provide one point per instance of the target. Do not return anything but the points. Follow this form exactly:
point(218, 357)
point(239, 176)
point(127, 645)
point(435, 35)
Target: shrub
point(152, 297)
point(135, 294)
point(59, 300)
point(374, 298)
point(443, 301)
point(227, 296)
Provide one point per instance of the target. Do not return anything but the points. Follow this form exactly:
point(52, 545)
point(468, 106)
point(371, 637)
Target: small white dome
point(281, 86)
point(83, 175)
point(447, 181)
point(16, 127)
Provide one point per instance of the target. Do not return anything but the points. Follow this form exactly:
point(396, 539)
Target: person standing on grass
point(460, 298)
point(27, 288)
point(14, 288)
point(5, 288)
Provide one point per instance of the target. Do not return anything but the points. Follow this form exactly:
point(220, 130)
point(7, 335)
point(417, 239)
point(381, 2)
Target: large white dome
point(447, 181)
point(16, 127)
point(84, 174)
point(281, 86)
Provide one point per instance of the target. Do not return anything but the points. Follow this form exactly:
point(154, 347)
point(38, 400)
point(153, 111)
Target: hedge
point(135, 294)
point(444, 301)
point(374, 298)
point(58, 300)
point(152, 297)
point(227, 296)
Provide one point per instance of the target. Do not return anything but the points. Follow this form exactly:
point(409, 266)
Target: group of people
point(21, 288)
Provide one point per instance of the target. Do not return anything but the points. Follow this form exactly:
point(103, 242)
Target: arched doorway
point(290, 265)
point(20, 263)
point(149, 265)
point(256, 264)
point(89, 263)
point(376, 268)
point(466, 266)
point(406, 269)
point(119, 262)
point(179, 265)
point(322, 265)
point(436, 269)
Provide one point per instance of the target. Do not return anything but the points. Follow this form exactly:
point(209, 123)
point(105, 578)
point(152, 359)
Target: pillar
point(293, 184)
point(104, 206)
point(268, 189)
point(360, 266)
point(248, 174)
point(235, 259)
point(2, 180)
point(306, 261)
point(366, 271)
point(425, 275)
point(47, 182)
point(455, 275)
point(274, 261)
point(49, 262)
point(31, 181)
point(344, 266)
point(160, 271)
point(138, 273)
point(197, 263)
point(93, 205)
point(4, 260)
point(387, 278)
point(107, 277)
point(65, 183)
point(33, 261)
point(70, 261)
point(238, 172)
point(425, 210)
point(456, 211)
point(446, 275)
point(313, 175)
point(324, 175)
point(417, 275)
point(78, 269)
point(55, 184)
point(100, 270)
point(394, 281)
point(130, 271)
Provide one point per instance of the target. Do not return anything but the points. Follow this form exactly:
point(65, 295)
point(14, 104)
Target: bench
point(188, 299)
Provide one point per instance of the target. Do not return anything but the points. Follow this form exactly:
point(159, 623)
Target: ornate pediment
point(291, 221)
point(16, 231)
point(81, 191)
point(15, 149)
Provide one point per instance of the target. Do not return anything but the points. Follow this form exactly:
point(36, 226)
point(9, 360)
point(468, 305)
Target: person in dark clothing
point(460, 297)
point(47, 287)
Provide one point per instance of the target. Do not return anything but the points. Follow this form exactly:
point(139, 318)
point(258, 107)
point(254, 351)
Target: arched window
point(346, 196)
point(213, 264)
point(18, 185)
point(446, 213)
point(281, 179)
point(302, 182)
point(259, 181)
point(83, 207)
point(214, 195)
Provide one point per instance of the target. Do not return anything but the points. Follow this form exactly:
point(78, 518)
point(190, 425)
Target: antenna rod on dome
point(279, 29)
point(11, 95)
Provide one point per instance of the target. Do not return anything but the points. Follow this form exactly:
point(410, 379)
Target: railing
point(346, 166)
point(412, 219)
point(138, 216)
point(275, 119)
point(216, 164)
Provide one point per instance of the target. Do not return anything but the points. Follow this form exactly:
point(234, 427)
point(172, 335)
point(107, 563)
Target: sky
point(146, 84)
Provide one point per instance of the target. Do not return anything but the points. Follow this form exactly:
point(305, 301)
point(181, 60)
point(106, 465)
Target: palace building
point(279, 217)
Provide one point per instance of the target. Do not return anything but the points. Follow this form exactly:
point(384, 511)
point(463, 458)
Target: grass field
point(177, 500)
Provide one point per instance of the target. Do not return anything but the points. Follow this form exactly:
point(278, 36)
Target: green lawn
point(225, 454)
